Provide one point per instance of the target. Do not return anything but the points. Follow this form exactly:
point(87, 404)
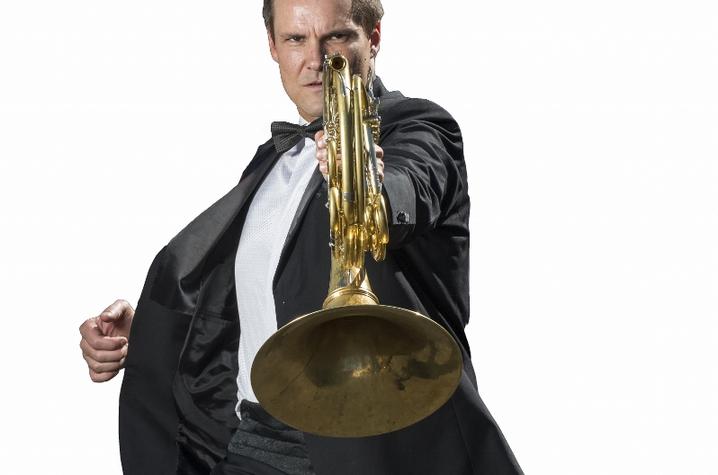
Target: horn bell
point(357, 370)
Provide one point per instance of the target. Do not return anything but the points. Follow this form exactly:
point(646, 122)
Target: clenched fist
point(104, 340)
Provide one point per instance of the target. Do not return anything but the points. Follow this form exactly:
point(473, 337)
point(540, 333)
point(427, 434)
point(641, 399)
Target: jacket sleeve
point(424, 172)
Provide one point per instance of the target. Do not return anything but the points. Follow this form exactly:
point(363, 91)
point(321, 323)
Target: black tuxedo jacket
point(178, 394)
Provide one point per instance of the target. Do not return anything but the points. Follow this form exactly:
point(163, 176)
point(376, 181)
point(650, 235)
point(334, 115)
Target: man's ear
point(375, 39)
point(272, 46)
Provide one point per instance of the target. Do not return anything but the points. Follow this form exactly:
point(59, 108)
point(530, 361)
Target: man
point(258, 258)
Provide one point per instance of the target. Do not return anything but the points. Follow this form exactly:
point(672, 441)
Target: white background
point(590, 138)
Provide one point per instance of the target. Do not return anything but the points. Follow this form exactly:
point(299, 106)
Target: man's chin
point(311, 112)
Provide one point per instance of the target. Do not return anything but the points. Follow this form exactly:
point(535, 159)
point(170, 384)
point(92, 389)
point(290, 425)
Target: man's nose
point(316, 52)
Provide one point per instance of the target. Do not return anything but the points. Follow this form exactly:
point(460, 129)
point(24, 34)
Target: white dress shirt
point(262, 239)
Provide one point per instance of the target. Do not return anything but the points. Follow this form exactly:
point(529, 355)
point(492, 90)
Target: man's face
point(306, 30)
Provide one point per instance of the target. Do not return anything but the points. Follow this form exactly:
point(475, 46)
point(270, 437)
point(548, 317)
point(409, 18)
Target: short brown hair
point(366, 13)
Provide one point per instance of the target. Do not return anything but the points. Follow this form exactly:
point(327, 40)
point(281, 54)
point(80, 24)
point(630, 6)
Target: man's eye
point(294, 39)
point(338, 36)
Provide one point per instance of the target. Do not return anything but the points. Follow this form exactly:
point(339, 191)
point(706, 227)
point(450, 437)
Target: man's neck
point(303, 120)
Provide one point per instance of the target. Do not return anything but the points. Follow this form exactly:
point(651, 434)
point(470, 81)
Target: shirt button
point(402, 217)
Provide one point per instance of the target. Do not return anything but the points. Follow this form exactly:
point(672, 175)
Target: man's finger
point(91, 333)
point(103, 356)
point(109, 343)
point(99, 367)
point(102, 377)
point(88, 326)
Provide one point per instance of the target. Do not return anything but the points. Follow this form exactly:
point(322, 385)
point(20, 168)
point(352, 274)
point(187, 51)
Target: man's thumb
point(115, 312)
point(108, 317)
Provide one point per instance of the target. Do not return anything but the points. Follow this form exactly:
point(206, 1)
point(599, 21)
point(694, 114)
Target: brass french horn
point(355, 368)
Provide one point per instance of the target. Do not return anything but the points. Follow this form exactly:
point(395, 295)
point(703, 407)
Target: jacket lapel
point(178, 279)
point(313, 190)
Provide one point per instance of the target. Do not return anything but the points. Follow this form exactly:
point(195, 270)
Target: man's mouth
point(314, 84)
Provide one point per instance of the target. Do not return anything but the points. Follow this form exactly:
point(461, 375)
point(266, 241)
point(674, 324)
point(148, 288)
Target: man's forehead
point(322, 14)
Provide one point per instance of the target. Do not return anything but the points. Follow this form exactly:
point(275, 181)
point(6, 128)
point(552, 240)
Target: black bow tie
point(286, 135)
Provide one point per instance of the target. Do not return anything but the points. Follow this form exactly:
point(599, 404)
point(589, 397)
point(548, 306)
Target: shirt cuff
point(398, 192)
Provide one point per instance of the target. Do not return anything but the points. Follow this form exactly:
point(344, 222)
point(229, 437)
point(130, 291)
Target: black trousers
point(240, 465)
point(262, 445)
